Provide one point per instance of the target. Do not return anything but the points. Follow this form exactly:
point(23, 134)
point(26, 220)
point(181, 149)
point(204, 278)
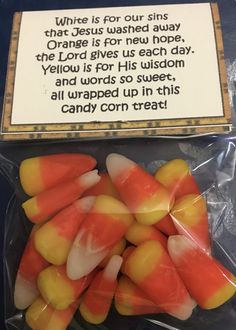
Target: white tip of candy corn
point(89, 179)
point(84, 204)
point(185, 310)
point(117, 164)
point(112, 269)
point(80, 262)
point(25, 293)
point(178, 245)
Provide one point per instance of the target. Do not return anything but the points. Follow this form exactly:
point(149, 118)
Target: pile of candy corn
point(125, 235)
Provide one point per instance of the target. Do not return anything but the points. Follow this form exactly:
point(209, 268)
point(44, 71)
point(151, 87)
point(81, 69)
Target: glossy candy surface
point(31, 264)
point(58, 290)
point(97, 300)
point(41, 173)
point(49, 202)
point(105, 224)
point(54, 239)
point(190, 217)
point(208, 282)
point(148, 199)
point(152, 270)
point(42, 316)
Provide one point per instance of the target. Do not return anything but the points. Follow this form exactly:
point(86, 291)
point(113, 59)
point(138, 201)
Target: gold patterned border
point(112, 129)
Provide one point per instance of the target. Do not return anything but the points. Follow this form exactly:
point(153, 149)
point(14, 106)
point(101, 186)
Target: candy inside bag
point(202, 157)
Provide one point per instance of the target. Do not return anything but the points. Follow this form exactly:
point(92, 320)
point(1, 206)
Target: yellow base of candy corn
point(28, 170)
point(49, 282)
point(89, 317)
point(51, 246)
point(221, 296)
point(40, 318)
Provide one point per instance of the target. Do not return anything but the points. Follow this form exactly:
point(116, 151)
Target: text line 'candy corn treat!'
point(42, 316)
point(31, 264)
point(105, 225)
point(54, 239)
point(151, 269)
point(148, 199)
point(97, 300)
point(58, 290)
point(208, 282)
point(176, 176)
point(41, 173)
point(190, 217)
point(49, 202)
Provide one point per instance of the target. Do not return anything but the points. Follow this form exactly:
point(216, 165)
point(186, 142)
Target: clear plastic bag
point(212, 161)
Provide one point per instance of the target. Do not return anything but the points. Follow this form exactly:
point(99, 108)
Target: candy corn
point(54, 239)
point(31, 265)
point(117, 249)
point(166, 226)
point(150, 267)
point(42, 316)
point(105, 224)
point(145, 196)
point(103, 187)
point(41, 173)
point(189, 214)
point(131, 300)
point(208, 282)
point(47, 203)
point(125, 255)
point(176, 176)
point(58, 290)
point(138, 234)
point(97, 300)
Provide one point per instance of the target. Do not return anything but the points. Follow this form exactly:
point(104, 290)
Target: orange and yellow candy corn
point(125, 255)
point(131, 300)
point(148, 199)
point(189, 215)
point(41, 173)
point(42, 316)
point(117, 249)
point(138, 234)
point(97, 300)
point(166, 226)
point(103, 187)
point(150, 267)
point(54, 239)
point(31, 264)
point(177, 177)
point(58, 290)
point(105, 224)
point(208, 282)
point(49, 202)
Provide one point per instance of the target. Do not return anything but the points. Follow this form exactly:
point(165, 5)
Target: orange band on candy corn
point(150, 267)
point(190, 217)
point(145, 196)
point(58, 290)
point(105, 224)
point(103, 187)
point(138, 234)
point(97, 300)
point(131, 300)
point(31, 264)
point(47, 203)
point(208, 282)
point(41, 173)
point(166, 226)
point(176, 176)
point(42, 316)
point(55, 238)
